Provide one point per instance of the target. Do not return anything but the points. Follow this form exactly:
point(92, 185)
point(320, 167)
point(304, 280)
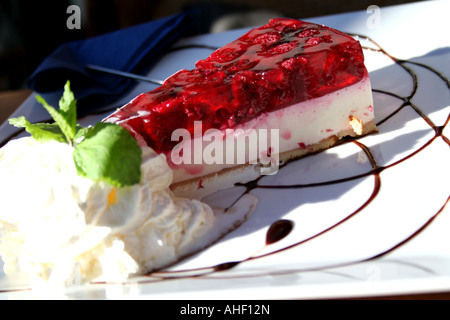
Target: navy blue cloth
point(131, 50)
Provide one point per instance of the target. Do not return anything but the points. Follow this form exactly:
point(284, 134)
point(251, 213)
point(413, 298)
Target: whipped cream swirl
point(59, 227)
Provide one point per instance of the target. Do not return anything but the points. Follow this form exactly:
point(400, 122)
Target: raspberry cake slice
point(303, 81)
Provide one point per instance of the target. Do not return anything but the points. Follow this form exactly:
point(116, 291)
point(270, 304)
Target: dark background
point(30, 30)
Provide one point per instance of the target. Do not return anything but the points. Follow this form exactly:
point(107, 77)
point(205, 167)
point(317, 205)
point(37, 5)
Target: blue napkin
point(133, 50)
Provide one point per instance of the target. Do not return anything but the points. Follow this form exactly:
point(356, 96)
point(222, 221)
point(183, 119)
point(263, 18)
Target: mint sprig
point(104, 152)
point(40, 131)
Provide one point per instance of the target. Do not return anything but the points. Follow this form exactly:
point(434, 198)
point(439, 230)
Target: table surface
point(10, 101)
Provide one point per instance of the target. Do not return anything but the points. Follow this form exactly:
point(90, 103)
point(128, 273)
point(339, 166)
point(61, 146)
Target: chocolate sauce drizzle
point(282, 228)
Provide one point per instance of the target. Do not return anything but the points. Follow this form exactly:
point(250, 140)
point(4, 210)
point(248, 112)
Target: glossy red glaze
point(284, 62)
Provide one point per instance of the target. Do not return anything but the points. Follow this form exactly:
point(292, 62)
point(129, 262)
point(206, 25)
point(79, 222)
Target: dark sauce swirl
point(281, 228)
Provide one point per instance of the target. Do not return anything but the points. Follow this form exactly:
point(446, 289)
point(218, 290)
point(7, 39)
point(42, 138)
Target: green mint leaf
point(66, 117)
point(79, 136)
point(109, 153)
point(68, 109)
point(41, 132)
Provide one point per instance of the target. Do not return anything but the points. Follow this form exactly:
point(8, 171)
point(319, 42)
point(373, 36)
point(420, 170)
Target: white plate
point(351, 237)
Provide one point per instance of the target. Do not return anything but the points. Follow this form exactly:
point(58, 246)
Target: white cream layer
point(298, 126)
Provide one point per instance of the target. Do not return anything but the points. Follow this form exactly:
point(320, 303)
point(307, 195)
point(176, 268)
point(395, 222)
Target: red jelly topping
point(284, 62)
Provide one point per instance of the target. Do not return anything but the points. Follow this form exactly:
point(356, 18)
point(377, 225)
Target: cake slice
point(286, 89)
